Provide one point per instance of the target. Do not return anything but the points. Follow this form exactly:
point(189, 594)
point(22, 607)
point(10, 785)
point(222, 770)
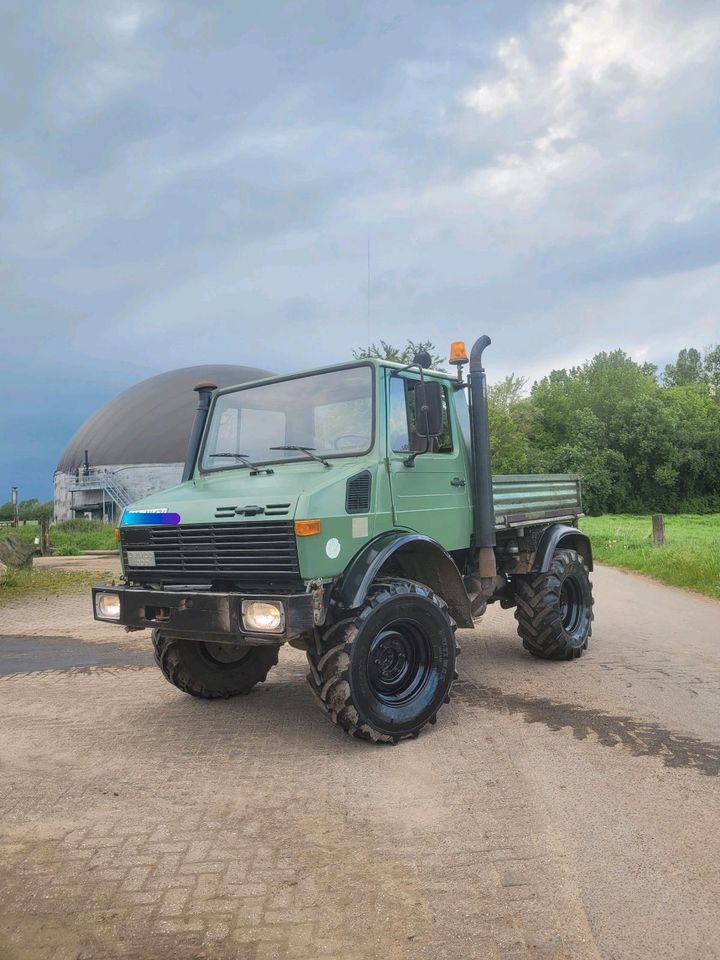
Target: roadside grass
point(76, 536)
point(689, 559)
point(69, 538)
point(21, 583)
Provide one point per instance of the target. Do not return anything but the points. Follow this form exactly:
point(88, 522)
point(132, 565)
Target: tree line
point(27, 510)
point(642, 440)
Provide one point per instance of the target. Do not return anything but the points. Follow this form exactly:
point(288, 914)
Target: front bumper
point(202, 613)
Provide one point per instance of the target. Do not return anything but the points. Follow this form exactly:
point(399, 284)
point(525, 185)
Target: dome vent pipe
point(204, 391)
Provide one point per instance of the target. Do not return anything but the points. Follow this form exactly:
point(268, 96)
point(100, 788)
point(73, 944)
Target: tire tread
point(333, 691)
point(177, 668)
point(538, 623)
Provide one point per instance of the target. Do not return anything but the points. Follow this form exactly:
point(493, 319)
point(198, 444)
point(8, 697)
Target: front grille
point(264, 552)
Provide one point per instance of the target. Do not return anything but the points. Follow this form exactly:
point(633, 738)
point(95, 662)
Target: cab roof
point(365, 361)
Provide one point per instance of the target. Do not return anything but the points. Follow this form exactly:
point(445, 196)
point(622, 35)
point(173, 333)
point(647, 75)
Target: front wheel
point(384, 672)
point(554, 609)
point(212, 670)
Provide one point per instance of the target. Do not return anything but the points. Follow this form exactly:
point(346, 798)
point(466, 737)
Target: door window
point(402, 420)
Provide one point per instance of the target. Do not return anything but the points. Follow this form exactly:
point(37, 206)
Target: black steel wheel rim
point(224, 654)
point(399, 662)
point(571, 605)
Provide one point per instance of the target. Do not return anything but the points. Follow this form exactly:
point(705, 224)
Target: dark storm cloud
point(186, 183)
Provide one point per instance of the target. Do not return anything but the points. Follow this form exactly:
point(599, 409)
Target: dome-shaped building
point(136, 443)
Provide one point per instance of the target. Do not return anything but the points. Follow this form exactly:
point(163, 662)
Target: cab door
point(431, 496)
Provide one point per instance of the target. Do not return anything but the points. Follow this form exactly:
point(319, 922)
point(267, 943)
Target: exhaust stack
point(484, 508)
point(204, 391)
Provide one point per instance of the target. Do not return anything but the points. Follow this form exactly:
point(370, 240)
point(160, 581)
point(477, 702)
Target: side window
point(402, 419)
point(445, 444)
point(463, 415)
point(398, 417)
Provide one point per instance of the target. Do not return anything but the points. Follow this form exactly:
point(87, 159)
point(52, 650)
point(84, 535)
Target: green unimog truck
point(350, 511)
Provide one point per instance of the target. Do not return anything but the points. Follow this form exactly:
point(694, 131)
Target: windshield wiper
point(307, 450)
point(243, 458)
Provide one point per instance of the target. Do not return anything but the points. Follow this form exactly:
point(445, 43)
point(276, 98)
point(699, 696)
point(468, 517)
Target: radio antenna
point(368, 295)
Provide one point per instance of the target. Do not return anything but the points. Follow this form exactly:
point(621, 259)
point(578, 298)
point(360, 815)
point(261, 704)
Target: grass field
point(690, 557)
point(19, 583)
point(71, 537)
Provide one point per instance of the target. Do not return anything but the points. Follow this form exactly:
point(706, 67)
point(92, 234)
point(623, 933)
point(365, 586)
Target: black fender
point(559, 534)
point(416, 557)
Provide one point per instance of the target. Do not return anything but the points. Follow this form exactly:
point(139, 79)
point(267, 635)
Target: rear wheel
point(212, 670)
point(554, 609)
point(384, 672)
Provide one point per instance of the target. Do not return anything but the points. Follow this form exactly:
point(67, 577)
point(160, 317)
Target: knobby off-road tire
point(212, 670)
point(386, 670)
point(554, 609)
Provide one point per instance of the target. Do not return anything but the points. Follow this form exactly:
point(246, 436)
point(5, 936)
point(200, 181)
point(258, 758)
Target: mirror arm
point(414, 366)
point(410, 461)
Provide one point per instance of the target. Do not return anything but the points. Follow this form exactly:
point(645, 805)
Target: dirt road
point(555, 811)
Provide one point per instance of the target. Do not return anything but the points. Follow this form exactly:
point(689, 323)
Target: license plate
point(140, 558)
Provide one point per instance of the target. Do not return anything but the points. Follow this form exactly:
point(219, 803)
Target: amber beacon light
point(458, 357)
point(458, 353)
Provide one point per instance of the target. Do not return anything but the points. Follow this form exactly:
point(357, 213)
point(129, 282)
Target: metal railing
point(106, 482)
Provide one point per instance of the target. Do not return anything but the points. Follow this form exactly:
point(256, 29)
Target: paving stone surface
point(140, 823)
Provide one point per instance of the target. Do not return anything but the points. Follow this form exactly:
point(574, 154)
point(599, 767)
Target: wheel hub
point(571, 606)
point(390, 658)
point(225, 653)
point(398, 662)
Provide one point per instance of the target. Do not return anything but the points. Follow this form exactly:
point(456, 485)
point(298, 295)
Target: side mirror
point(428, 408)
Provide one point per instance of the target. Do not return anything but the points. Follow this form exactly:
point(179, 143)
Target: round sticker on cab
point(332, 548)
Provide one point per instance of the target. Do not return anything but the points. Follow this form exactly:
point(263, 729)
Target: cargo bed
point(523, 499)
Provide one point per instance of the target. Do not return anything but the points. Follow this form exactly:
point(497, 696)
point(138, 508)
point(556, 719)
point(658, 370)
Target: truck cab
point(314, 504)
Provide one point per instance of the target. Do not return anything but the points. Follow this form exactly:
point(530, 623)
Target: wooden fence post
point(45, 536)
point(658, 529)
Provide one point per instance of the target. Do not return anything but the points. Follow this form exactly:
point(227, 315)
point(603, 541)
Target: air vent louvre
point(277, 509)
point(357, 493)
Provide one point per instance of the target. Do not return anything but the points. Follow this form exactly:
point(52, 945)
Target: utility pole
point(14, 498)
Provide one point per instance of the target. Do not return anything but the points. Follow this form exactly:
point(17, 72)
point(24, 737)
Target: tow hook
point(317, 589)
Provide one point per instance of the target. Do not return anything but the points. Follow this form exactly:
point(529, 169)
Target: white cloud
point(620, 47)
point(128, 18)
point(584, 70)
point(527, 178)
point(107, 53)
point(89, 90)
point(498, 96)
point(626, 43)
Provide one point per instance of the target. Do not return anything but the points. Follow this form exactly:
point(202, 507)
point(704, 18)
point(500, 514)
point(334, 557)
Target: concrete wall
point(138, 479)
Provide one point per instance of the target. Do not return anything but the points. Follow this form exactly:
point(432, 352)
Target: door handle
point(457, 482)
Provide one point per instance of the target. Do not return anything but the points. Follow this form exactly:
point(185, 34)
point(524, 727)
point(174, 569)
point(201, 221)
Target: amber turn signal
point(307, 528)
point(117, 534)
point(458, 353)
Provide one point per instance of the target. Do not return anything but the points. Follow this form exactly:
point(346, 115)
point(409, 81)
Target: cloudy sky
point(186, 183)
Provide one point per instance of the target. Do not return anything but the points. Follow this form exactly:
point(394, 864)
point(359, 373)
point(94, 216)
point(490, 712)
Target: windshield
point(328, 414)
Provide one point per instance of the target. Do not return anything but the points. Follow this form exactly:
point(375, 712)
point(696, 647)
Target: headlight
point(107, 606)
point(263, 615)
